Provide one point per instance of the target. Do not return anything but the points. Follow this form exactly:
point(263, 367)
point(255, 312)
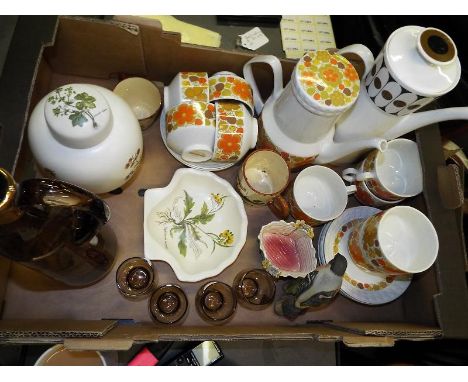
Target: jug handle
point(275, 65)
point(364, 54)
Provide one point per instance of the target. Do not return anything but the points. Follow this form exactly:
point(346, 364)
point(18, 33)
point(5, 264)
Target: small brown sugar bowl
point(216, 302)
point(135, 277)
point(168, 304)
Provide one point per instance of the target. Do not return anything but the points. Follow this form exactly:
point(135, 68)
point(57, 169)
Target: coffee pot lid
point(326, 81)
point(423, 60)
point(78, 115)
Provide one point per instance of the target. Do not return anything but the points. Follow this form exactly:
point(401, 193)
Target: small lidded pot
point(168, 304)
point(135, 277)
point(255, 289)
point(216, 302)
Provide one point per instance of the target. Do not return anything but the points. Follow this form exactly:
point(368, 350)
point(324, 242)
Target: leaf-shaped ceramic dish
point(197, 224)
point(287, 249)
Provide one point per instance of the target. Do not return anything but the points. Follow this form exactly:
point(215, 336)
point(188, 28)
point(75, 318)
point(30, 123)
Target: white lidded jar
point(86, 135)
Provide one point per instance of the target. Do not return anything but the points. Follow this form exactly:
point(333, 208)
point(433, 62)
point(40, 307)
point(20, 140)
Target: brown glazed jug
point(55, 228)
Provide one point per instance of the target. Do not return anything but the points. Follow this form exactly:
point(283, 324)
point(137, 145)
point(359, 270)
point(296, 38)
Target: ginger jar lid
point(423, 60)
point(326, 82)
point(78, 115)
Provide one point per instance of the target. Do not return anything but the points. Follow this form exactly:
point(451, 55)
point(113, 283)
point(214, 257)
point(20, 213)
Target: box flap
point(54, 328)
point(451, 303)
point(122, 337)
point(387, 329)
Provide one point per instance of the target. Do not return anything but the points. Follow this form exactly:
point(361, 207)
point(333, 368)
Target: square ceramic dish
point(197, 224)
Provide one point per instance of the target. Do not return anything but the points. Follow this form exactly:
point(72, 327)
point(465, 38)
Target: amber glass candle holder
point(135, 277)
point(168, 304)
point(255, 289)
point(216, 302)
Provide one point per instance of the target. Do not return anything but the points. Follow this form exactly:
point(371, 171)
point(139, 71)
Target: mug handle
point(351, 175)
point(279, 206)
point(364, 54)
point(275, 65)
point(351, 189)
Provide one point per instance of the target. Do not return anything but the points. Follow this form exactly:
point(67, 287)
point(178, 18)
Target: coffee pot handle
point(275, 65)
point(360, 56)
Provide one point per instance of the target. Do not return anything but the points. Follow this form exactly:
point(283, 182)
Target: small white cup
point(142, 96)
point(186, 86)
point(190, 129)
point(317, 196)
point(393, 174)
point(236, 131)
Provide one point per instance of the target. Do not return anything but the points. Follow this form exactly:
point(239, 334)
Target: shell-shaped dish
point(287, 249)
point(197, 224)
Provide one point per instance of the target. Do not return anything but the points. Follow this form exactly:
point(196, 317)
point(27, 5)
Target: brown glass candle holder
point(168, 304)
point(135, 277)
point(216, 302)
point(255, 289)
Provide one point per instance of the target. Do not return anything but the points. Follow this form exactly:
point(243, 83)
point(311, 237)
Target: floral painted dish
point(197, 224)
point(366, 287)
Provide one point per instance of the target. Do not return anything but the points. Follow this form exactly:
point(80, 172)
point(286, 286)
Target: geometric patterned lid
point(327, 81)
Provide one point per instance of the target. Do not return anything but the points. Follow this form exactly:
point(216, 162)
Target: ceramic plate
point(365, 287)
point(197, 224)
point(204, 166)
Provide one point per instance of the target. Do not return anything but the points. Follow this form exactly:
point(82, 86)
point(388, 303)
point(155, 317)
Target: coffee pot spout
point(347, 152)
point(415, 121)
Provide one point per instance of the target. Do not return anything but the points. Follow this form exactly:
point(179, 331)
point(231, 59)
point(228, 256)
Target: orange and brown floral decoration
point(195, 86)
point(230, 130)
point(222, 87)
point(190, 113)
point(331, 80)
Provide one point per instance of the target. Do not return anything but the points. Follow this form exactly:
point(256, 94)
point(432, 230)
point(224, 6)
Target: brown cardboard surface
point(97, 52)
point(46, 299)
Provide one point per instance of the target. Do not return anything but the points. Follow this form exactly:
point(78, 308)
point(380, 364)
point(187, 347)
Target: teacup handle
point(351, 189)
point(351, 175)
point(275, 65)
point(364, 54)
point(279, 206)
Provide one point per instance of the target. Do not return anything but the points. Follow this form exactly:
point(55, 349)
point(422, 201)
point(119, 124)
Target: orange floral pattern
point(230, 87)
point(190, 113)
point(355, 252)
point(373, 257)
point(329, 79)
point(194, 86)
point(373, 184)
point(229, 131)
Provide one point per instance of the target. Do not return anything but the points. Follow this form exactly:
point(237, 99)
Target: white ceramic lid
point(326, 82)
point(423, 60)
point(78, 115)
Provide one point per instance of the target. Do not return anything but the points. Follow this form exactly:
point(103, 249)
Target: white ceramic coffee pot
point(298, 121)
point(416, 66)
point(86, 135)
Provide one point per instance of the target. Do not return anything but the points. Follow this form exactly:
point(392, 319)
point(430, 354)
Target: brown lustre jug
point(55, 228)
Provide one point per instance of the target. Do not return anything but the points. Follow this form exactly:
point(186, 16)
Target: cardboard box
point(36, 309)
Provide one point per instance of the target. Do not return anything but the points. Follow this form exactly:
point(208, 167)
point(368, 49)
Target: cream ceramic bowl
point(197, 224)
point(86, 135)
